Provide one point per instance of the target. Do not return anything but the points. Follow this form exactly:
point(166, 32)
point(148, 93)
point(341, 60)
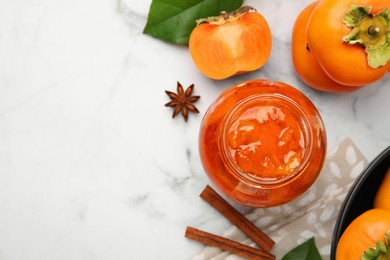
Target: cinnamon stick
point(227, 244)
point(235, 217)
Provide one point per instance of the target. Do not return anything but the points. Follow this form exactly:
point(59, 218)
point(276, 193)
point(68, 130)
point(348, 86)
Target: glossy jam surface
point(262, 143)
point(265, 139)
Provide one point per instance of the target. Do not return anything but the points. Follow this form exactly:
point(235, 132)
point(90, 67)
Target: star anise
point(182, 101)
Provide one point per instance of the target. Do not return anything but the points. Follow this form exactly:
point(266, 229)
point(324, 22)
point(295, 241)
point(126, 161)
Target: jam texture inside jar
point(262, 143)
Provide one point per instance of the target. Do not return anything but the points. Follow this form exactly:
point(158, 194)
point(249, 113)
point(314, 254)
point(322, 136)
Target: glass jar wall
point(262, 143)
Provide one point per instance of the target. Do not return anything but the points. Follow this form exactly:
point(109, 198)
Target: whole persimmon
point(306, 65)
point(341, 46)
point(349, 39)
point(230, 44)
point(366, 237)
point(382, 196)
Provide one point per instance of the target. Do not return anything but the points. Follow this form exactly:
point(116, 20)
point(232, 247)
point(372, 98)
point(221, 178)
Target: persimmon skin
point(306, 64)
point(221, 51)
point(363, 233)
point(382, 197)
point(344, 63)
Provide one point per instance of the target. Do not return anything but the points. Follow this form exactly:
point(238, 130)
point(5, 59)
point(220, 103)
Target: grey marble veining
point(92, 166)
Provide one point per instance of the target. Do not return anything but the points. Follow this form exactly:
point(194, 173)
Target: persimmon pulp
point(262, 143)
point(266, 139)
point(231, 46)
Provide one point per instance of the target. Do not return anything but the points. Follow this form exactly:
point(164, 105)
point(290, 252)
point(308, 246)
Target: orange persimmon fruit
point(306, 65)
point(337, 51)
point(382, 197)
point(230, 44)
point(362, 236)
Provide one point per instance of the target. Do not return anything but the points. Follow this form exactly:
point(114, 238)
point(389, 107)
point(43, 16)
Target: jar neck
point(266, 102)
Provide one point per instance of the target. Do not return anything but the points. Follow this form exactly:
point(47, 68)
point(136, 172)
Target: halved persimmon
point(231, 43)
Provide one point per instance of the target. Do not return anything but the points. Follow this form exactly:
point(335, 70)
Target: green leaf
point(352, 36)
point(174, 20)
point(305, 251)
point(354, 15)
point(370, 254)
point(385, 13)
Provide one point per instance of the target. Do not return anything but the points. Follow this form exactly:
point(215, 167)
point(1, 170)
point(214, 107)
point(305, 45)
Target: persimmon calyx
point(225, 17)
point(370, 31)
point(380, 252)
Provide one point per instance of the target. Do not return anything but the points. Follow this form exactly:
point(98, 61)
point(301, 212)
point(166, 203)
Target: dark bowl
point(361, 196)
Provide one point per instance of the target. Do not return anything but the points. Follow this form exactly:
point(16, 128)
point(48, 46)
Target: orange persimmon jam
point(262, 143)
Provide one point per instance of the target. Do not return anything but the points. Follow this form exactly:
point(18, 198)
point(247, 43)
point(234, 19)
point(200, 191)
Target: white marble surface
point(92, 166)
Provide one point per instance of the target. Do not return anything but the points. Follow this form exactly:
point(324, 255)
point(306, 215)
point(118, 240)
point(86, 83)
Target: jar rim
point(306, 129)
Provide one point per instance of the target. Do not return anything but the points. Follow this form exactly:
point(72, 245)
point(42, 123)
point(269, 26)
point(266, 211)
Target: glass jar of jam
point(262, 143)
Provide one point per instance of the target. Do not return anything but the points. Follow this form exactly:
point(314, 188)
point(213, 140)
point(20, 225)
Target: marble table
point(92, 166)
